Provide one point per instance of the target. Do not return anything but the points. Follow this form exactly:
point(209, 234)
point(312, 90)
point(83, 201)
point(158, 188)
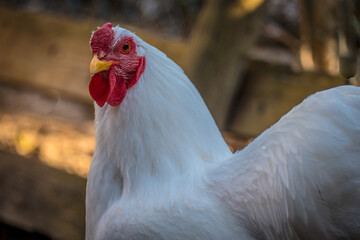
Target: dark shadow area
point(8, 232)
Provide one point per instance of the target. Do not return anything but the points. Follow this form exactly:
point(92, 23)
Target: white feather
point(161, 169)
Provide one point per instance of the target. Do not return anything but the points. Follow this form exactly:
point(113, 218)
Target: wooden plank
point(49, 52)
point(270, 93)
point(41, 199)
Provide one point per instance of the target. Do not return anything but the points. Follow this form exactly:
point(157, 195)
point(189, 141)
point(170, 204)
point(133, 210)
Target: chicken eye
point(126, 47)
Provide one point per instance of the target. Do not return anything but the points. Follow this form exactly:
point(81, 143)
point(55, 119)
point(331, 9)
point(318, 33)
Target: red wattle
point(105, 87)
point(99, 87)
point(108, 87)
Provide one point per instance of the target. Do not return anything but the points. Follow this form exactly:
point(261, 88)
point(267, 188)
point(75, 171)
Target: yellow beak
point(96, 65)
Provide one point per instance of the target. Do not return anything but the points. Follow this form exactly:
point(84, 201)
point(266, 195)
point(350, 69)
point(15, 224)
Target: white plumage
point(161, 169)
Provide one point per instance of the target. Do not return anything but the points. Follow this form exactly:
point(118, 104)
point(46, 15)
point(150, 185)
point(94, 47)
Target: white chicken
point(161, 169)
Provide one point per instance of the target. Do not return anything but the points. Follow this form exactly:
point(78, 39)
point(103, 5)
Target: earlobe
point(117, 89)
point(139, 71)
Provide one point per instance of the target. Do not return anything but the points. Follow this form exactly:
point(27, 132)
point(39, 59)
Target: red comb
point(102, 39)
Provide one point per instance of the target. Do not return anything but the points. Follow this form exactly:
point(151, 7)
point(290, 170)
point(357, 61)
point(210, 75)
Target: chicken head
point(116, 65)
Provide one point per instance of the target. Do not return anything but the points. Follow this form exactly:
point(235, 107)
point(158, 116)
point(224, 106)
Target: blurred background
point(252, 61)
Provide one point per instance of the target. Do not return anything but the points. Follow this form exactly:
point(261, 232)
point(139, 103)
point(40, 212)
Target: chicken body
point(161, 169)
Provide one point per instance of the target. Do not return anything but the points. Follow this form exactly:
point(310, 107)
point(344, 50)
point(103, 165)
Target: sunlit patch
point(243, 7)
point(56, 143)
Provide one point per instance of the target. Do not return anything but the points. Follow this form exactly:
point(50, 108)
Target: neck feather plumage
point(162, 131)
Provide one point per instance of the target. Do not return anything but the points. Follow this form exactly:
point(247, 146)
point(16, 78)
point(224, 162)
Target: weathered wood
point(48, 52)
point(318, 35)
point(220, 40)
point(39, 198)
point(270, 93)
point(348, 35)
